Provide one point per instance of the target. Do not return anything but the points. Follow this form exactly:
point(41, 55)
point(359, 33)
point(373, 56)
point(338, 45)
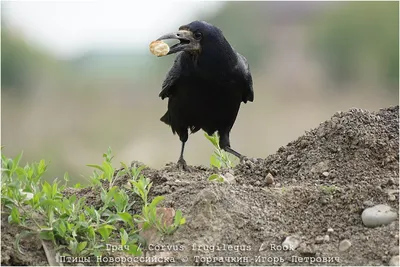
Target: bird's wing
point(244, 70)
point(171, 79)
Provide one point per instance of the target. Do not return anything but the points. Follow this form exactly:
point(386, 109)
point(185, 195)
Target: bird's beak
point(187, 41)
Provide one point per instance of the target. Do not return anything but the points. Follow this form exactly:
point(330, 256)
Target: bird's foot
point(181, 164)
point(243, 159)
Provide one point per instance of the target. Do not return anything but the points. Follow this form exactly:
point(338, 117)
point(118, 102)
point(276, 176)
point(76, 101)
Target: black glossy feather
point(205, 89)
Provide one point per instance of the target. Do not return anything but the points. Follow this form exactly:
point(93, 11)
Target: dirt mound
point(321, 184)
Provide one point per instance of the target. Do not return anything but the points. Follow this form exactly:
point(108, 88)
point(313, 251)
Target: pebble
point(269, 178)
point(392, 194)
point(368, 203)
point(330, 230)
point(291, 241)
point(319, 239)
point(326, 174)
point(290, 157)
point(378, 215)
point(229, 178)
point(394, 261)
point(390, 182)
point(344, 245)
point(320, 167)
point(305, 249)
point(326, 238)
point(394, 251)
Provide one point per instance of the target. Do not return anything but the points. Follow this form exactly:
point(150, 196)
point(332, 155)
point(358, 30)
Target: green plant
point(149, 217)
point(75, 228)
point(216, 177)
point(328, 189)
point(220, 158)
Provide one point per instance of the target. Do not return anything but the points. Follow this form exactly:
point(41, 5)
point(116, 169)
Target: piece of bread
point(159, 48)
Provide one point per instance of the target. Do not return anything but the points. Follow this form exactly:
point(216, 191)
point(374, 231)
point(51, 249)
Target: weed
point(328, 189)
point(75, 228)
point(219, 158)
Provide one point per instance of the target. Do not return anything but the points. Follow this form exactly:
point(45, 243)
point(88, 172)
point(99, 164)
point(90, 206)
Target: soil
point(314, 188)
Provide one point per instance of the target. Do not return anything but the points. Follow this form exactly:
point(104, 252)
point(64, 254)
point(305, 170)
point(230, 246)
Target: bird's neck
point(219, 60)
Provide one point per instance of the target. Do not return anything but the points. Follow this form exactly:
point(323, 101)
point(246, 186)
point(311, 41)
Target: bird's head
point(194, 37)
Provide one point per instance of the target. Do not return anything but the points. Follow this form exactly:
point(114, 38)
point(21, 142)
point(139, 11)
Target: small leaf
point(46, 235)
point(54, 191)
point(105, 231)
point(124, 236)
point(215, 162)
point(91, 232)
point(124, 166)
point(126, 217)
point(81, 246)
point(134, 250)
point(41, 167)
point(46, 188)
point(21, 172)
point(17, 160)
point(213, 177)
point(66, 177)
point(15, 216)
point(156, 200)
point(62, 228)
point(96, 166)
point(178, 217)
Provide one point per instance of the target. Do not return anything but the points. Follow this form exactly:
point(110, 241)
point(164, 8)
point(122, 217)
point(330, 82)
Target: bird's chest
point(208, 91)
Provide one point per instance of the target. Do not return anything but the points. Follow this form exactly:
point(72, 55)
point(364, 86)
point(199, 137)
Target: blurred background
point(77, 76)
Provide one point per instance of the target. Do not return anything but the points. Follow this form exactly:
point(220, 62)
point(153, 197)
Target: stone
point(344, 245)
point(378, 215)
point(394, 261)
point(229, 178)
point(290, 157)
point(291, 241)
point(394, 251)
point(319, 239)
point(269, 179)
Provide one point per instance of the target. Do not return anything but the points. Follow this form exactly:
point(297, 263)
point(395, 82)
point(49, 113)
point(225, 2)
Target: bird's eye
point(198, 35)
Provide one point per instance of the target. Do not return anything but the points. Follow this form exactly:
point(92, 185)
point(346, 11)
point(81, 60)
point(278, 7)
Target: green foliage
point(74, 227)
point(359, 36)
point(216, 177)
point(328, 189)
point(149, 216)
point(220, 158)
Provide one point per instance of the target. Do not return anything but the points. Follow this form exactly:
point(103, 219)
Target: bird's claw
point(181, 164)
point(243, 159)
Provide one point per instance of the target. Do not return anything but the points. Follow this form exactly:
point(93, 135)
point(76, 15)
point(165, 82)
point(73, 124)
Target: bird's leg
point(224, 143)
point(233, 152)
point(181, 164)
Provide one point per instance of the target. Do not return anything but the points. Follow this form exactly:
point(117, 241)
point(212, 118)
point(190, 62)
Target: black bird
point(206, 84)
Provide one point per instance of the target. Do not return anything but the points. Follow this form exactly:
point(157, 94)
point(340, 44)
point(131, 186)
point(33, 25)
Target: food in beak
point(159, 48)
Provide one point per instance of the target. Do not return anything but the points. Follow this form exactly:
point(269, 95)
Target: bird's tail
point(166, 118)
